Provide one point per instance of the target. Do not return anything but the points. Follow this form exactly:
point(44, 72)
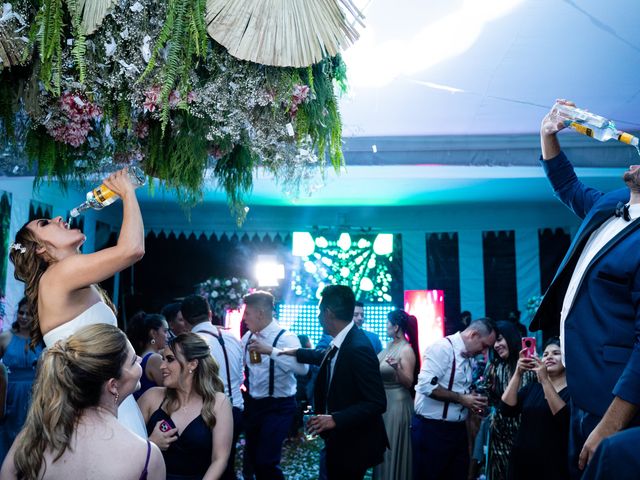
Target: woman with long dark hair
point(148, 333)
point(502, 429)
point(72, 430)
point(61, 283)
point(20, 360)
point(540, 449)
point(190, 417)
point(399, 367)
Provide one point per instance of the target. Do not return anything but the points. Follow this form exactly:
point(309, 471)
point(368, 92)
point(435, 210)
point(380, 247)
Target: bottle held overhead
point(102, 196)
point(592, 125)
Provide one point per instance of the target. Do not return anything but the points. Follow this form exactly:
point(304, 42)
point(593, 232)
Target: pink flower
point(142, 129)
point(300, 94)
point(73, 123)
point(151, 99)
point(192, 96)
point(174, 98)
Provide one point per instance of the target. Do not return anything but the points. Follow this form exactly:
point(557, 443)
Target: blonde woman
point(61, 283)
point(72, 430)
point(190, 417)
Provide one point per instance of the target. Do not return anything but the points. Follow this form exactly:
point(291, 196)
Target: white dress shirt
point(337, 342)
point(286, 366)
point(234, 353)
point(436, 372)
point(598, 239)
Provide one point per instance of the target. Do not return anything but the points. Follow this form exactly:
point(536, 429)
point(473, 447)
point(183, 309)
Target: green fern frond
point(49, 39)
point(79, 49)
point(185, 37)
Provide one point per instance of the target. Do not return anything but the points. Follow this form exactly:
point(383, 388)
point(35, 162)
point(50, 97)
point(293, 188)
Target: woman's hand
point(524, 363)
point(163, 439)
point(541, 371)
point(393, 362)
point(120, 183)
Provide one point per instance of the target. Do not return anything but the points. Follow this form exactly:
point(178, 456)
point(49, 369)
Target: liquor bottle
point(102, 196)
point(591, 125)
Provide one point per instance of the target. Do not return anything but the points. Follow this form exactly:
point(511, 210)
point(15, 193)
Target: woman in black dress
point(189, 417)
point(540, 447)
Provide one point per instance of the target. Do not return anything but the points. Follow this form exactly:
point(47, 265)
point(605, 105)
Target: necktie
point(326, 365)
point(622, 210)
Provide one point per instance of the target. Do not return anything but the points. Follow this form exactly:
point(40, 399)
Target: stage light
point(344, 242)
point(428, 307)
point(303, 244)
point(366, 285)
point(383, 244)
point(268, 271)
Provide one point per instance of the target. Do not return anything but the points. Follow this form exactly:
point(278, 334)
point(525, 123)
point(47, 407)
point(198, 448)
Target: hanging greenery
point(108, 83)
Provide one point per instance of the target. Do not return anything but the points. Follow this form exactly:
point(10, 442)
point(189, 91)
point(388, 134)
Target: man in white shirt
point(438, 430)
point(271, 386)
point(227, 350)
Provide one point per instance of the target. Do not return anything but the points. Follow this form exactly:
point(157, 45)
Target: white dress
point(128, 413)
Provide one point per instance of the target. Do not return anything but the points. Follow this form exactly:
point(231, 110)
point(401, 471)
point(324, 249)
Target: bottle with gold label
point(102, 196)
point(591, 125)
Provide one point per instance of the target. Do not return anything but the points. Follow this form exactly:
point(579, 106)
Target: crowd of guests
point(393, 410)
point(199, 389)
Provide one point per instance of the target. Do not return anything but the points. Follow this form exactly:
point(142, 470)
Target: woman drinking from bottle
point(61, 282)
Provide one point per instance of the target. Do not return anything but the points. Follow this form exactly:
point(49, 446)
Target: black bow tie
point(622, 210)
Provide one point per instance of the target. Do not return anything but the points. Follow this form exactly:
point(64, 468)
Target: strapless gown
point(128, 413)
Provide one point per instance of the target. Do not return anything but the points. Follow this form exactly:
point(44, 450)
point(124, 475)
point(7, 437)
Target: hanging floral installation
point(87, 86)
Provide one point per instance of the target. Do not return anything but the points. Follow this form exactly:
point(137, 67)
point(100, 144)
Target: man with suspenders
point(271, 384)
point(438, 429)
point(227, 350)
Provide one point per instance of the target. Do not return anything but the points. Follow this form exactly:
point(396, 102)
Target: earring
point(153, 341)
point(190, 371)
point(116, 397)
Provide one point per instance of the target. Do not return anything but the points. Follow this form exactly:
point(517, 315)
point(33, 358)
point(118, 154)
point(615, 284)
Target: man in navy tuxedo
point(594, 302)
point(616, 458)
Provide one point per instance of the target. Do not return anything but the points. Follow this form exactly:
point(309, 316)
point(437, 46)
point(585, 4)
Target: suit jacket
point(602, 353)
point(616, 457)
point(356, 399)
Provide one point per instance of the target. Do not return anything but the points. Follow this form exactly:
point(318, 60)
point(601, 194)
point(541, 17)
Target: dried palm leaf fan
point(283, 33)
point(93, 12)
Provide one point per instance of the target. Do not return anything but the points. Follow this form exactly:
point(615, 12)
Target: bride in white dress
point(61, 282)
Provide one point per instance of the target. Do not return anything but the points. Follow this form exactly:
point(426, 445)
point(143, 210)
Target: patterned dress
point(503, 429)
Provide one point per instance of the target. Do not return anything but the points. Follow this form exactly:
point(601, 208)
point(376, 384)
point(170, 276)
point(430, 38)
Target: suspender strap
point(445, 410)
point(272, 365)
point(226, 359)
point(246, 365)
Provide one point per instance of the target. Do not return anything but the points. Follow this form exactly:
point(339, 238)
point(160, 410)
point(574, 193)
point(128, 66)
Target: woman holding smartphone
point(190, 417)
point(502, 429)
point(540, 447)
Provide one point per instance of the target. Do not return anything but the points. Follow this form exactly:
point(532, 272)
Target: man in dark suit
point(594, 302)
point(349, 395)
point(616, 458)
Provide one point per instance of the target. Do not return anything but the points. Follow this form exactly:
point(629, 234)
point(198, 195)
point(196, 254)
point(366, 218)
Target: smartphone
point(165, 426)
point(529, 343)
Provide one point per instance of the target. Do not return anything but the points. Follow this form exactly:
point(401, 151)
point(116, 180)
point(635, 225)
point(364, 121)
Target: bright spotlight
point(383, 244)
point(303, 244)
point(268, 271)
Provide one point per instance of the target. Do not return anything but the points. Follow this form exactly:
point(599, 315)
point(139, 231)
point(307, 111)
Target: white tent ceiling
point(446, 100)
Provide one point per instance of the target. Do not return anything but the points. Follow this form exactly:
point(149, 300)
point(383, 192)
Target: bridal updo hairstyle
point(71, 378)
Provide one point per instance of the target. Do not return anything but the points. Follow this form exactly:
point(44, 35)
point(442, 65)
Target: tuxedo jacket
point(602, 353)
point(616, 457)
point(355, 398)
